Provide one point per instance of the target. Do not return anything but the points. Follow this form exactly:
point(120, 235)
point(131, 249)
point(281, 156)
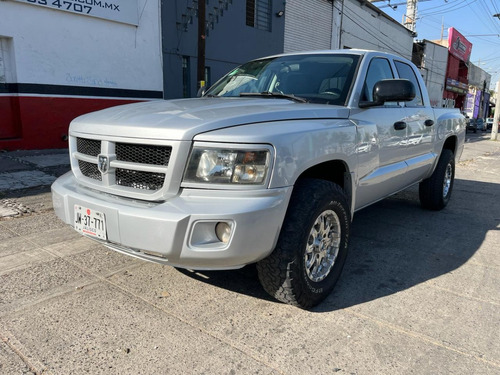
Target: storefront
point(459, 50)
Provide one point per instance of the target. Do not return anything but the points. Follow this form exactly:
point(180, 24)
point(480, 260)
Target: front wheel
point(435, 191)
point(312, 246)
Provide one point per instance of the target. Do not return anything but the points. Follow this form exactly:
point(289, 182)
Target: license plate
point(90, 222)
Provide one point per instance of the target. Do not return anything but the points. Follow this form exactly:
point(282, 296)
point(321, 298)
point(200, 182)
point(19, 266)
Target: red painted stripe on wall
point(9, 122)
point(39, 122)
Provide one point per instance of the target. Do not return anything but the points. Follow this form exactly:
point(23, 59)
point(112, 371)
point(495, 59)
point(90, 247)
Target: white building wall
point(60, 48)
point(477, 77)
point(308, 25)
point(365, 28)
point(316, 24)
point(433, 70)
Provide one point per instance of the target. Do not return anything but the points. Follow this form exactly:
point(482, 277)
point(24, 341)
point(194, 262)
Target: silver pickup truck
point(268, 166)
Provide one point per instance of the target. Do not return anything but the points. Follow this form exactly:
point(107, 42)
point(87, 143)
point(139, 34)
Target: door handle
point(428, 122)
point(400, 125)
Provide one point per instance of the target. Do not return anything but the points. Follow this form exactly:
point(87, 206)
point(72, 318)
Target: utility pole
point(442, 29)
point(341, 22)
point(201, 43)
point(411, 14)
point(496, 118)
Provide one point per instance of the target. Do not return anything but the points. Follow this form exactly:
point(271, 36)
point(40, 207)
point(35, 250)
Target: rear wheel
point(312, 247)
point(435, 191)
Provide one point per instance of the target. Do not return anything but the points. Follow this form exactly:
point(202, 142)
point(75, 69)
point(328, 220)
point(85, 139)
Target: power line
point(449, 9)
point(370, 33)
point(490, 23)
point(374, 31)
point(447, 3)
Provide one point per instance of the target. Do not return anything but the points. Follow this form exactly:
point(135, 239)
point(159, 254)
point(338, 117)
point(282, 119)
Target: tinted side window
point(378, 70)
point(405, 71)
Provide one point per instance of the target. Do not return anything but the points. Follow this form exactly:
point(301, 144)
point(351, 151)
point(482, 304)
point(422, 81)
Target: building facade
point(238, 31)
point(432, 60)
point(364, 26)
point(457, 70)
point(477, 104)
point(56, 65)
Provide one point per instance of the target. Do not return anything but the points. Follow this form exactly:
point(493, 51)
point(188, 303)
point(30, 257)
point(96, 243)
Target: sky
point(472, 18)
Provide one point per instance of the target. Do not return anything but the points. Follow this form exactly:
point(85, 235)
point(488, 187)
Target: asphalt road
point(420, 294)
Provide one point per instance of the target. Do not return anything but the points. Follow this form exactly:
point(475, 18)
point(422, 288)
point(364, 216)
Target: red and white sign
point(458, 45)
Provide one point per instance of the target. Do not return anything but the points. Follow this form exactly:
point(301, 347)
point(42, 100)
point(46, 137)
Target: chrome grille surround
point(133, 168)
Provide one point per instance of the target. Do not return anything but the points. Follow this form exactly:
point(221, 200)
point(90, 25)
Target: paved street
point(420, 293)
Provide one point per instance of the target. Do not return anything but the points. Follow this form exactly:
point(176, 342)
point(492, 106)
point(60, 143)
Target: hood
point(182, 119)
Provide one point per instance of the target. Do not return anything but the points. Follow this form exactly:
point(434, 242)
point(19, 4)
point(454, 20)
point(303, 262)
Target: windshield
point(320, 78)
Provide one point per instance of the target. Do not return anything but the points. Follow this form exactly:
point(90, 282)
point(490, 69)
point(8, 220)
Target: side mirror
point(391, 90)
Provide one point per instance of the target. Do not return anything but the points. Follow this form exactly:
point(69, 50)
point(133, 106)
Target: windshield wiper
point(268, 94)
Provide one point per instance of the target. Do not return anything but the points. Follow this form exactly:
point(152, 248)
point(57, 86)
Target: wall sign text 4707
point(115, 10)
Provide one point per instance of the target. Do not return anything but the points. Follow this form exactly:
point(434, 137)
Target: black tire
point(284, 274)
point(435, 191)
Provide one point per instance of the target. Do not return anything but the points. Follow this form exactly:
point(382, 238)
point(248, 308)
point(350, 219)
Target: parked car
point(480, 124)
point(471, 125)
point(267, 167)
point(489, 123)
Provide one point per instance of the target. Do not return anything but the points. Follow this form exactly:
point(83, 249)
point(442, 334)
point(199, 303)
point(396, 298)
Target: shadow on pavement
point(244, 281)
point(396, 245)
point(477, 137)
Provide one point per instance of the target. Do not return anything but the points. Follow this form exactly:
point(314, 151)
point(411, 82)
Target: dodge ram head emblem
point(103, 164)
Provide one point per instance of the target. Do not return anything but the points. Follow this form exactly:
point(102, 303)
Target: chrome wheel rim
point(323, 246)
point(447, 180)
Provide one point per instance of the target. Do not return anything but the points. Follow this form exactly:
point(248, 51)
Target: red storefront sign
point(458, 45)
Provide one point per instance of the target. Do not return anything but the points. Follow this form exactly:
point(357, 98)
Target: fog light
point(223, 231)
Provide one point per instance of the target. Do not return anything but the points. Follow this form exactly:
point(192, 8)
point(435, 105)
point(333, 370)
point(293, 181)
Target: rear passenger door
point(381, 138)
point(419, 120)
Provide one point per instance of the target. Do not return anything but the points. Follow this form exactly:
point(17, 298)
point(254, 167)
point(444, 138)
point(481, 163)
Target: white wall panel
point(315, 24)
point(60, 48)
point(308, 25)
point(364, 28)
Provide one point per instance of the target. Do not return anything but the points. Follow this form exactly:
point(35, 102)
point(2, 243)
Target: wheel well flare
point(333, 171)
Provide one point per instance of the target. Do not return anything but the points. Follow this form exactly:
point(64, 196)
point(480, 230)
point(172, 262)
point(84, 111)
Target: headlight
point(228, 166)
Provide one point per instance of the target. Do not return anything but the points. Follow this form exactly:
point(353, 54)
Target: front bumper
point(179, 231)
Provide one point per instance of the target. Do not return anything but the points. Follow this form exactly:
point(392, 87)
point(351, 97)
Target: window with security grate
point(258, 14)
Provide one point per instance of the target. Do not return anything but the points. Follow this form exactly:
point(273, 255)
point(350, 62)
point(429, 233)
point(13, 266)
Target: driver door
point(381, 140)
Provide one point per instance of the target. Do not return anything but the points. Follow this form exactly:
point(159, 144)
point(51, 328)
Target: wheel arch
point(451, 144)
point(336, 171)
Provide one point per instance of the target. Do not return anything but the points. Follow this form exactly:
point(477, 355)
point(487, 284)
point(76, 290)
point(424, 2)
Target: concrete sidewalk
point(22, 170)
point(420, 294)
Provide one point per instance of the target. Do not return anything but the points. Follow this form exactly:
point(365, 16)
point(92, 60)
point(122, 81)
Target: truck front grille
point(119, 165)
point(89, 170)
point(144, 154)
point(139, 180)
point(89, 147)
